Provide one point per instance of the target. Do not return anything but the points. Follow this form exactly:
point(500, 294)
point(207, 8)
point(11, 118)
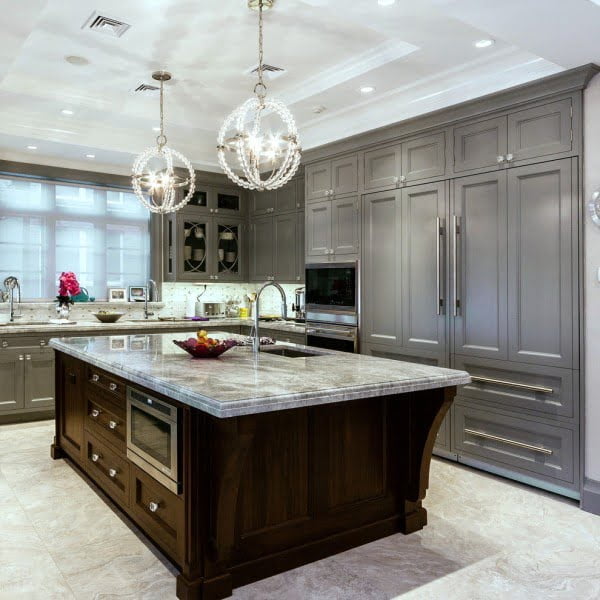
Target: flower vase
point(63, 308)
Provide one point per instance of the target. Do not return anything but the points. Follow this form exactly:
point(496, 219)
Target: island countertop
point(240, 383)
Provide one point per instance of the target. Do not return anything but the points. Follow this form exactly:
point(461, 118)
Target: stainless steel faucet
point(256, 339)
point(11, 283)
point(150, 285)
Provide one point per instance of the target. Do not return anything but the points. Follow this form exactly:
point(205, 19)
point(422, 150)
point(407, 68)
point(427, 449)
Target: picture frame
point(117, 294)
point(137, 293)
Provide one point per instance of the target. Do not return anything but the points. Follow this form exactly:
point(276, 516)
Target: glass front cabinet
point(226, 201)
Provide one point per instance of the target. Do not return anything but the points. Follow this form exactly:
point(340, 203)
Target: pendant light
point(267, 159)
point(156, 186)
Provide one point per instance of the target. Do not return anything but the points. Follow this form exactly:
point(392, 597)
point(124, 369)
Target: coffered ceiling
point(419, 55)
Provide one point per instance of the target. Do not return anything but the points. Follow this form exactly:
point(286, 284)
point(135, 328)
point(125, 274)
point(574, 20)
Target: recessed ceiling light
point(31, 147)
point(483, 43)
point(90, 156)
point(66, 111)
point(386, 2)
point(367, 89)
point(77, 61)
point(319, 109)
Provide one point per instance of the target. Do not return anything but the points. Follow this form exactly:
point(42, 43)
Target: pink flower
point(68, 284)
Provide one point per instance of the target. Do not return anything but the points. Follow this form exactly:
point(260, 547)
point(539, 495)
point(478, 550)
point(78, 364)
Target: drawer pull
point(42, 342)
point(5, 344)
point(497, 438)
point(112, 387)
point(95, 413)
point(153, 506)
point(112, 424)
point(112, 473)
point(95, 457)
point(95, 377)
point(514, 384)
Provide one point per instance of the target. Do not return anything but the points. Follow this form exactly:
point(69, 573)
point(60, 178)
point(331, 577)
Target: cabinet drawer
point(29, 342)
point(108, 386)
point(104, 422)
point(545, 390)
point(108, 469)
point(532, 447)
point(159, 512)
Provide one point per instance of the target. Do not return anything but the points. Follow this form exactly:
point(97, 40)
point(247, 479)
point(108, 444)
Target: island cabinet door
point(71, 408)
point(39, 379)
point(381, 268)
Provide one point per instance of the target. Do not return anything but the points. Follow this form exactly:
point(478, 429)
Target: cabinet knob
point(5, 344)
point(211, 210)
point(216, 210)
point(28, 357)
point(396, 179)
point(509, 157)
point(95, 378)
point(95, 413)
point(153, 506)
point(95, 457)
point(112, 424)
point(21, 357)
point(42, 342)
point(112, 473)
point(402, 178)
point(500, 158)
point(112, 387)
point(216, 277)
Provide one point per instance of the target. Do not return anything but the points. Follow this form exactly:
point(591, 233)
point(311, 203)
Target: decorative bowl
point(201, 351)
point(112, 317)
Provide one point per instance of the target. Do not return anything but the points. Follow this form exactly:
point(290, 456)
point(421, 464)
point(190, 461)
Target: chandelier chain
point(161, 139)
point(261, 83)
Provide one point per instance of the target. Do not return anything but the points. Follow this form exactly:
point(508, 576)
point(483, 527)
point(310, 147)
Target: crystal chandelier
point(276, 153)
point(154, 180)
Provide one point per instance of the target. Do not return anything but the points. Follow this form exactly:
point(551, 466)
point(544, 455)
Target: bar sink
point(292, 352)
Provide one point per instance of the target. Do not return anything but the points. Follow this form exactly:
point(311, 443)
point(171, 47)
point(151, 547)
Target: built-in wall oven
point(332, 301)
point(153, 437)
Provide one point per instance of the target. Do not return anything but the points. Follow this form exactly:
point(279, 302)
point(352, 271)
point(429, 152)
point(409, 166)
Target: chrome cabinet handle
point(216, 210)
point(28, 357)
point(21, 357)
point(95, 457)
point(95, 413)
point(513, 384)
point(455, 265)
point(42, 342)
point(509, 157)
point(402, 178)
point(153, 506)
point(500, 158)
point(439, 232)
point(112, 424)
point(396, 179)
point(5, 344)
point(112, 473)
point(497, 438)
point(112, 387)
point(95, 377)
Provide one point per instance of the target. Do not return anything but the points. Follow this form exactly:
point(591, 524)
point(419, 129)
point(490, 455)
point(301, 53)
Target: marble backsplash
point(177, 298)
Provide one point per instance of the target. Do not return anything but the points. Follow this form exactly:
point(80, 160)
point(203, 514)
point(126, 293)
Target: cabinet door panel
point(230, 247)
point(261, 260)
point(540, 264)
point(73, 407)
point(193, 247)
point(344, 173)
point(39, 379)
point(318, 228)
point(318, 180)
point(423, 213)
point(480, 327)
point(300, 247)
point(478, 145)
point(11, 380)
point(285, 247)
point(344, 226)
point(300, 193)
point(540, 131)
point(383, 167)
point(381, 289)
point(424, 157)
point(286, 197)
point(263, 202)
point(228, 201)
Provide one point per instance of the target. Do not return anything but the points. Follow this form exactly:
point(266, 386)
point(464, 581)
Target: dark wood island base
point(261, 493)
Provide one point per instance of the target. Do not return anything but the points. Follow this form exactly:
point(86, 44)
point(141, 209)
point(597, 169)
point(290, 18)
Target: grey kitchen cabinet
point(261, 243)
point(541, 254)
point(12, 369)
point(479, 266)
point(263, 202)
point(300, 247)
point(300, 193)
point(284, 247)
point(287, 198)
point(335, 177)
point(318, 228)
point(382, 167)
point(217, 200)
point(481, 144)
point(39, 379)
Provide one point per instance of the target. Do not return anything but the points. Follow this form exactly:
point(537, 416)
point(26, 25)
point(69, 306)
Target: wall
point(591, 500)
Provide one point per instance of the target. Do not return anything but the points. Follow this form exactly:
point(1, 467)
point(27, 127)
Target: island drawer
point(112, 388)
point(109, 470)
point(545, 390)
point(159, 512)
point(106, 423)
point(515, 442)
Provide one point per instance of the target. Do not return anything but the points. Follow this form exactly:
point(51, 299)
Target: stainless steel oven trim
point(334, 332)
point(169, 477)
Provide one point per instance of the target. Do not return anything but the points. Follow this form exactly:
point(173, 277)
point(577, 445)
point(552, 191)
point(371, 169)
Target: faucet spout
point(256, 339)
point(11, 283)
point(151, 288)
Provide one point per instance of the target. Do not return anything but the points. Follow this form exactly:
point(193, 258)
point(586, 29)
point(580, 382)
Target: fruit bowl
point(191, 346)
point(108, 317)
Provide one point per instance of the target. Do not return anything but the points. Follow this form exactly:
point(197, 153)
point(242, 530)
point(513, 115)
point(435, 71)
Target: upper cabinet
point(288, 198)
point(540, 131)
point(227, 201)
point(336, 177)
point(414, 160)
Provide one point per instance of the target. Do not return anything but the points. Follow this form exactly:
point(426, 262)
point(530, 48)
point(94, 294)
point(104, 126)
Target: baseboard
point(590, 497)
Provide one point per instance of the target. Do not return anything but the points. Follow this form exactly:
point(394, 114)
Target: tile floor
point(487, 538)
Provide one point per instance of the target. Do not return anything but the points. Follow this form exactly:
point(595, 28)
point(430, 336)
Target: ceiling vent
point(145, 87)
point(98, 22)
point(269, 71)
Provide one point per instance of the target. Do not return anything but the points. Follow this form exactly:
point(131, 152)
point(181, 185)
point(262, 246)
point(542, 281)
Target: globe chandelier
point(154, 180)
point(265, 159)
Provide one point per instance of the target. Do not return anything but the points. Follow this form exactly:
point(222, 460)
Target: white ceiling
point(419, 54)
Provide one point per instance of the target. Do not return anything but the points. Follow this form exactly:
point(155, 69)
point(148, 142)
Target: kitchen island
point(280, 459)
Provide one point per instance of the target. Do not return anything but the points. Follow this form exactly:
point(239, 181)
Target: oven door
point(332, 337)
point(152, 437)
point(332, 287)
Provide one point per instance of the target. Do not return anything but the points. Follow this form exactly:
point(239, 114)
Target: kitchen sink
point(292, 352)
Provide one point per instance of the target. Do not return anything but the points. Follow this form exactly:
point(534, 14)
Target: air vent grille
point(269, 71)
point(146, 87)
point(108, 25)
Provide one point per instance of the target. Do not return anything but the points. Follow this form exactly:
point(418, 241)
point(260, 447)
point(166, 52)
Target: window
point(102, 235)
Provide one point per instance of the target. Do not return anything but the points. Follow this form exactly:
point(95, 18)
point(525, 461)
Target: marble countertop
point(241, 383)
point(128, 325)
